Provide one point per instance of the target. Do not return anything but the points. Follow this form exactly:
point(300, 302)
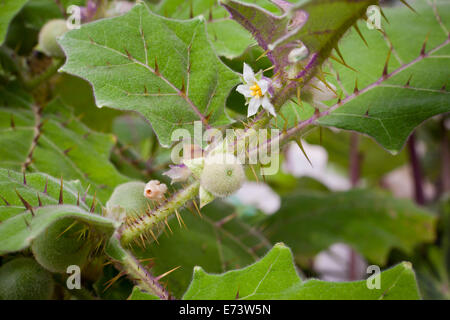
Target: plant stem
point(44, 76)
point(143, 225)
point(134, 269)
point(416, 170)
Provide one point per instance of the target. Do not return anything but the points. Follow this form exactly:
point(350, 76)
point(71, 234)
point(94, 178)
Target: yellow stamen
point(256, 90)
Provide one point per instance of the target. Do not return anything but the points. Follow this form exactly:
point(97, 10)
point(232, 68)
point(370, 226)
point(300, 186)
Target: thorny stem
point(134, 269)
point(142, 225)
point(44, 76)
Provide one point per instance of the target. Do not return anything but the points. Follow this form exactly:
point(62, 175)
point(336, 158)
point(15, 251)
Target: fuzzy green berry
point(62, 245)
point(25, 279)
point(128, 200)
point(222, 175)
point(48, 35)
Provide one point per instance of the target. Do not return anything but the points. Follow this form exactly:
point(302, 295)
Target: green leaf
point(219, 242)
point(391, 110)
point(19, 231)
point(8, 9)
point(138, 294)
point(37, 189)
point(228, 37)
point(164, 69)
point(371, 222)
point(52, 140)
point(275, 277)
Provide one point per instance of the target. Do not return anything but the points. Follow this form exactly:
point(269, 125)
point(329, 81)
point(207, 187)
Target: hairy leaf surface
point(275, 277)
point(164, 69)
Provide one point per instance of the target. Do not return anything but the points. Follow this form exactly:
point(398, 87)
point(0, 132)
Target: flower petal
point(267, 105)
point(264, 85)
point(253, 106)
point(244, 90)
point(249, 75)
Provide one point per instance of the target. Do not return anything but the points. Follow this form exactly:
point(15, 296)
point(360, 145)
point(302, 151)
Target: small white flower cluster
point(256, 90)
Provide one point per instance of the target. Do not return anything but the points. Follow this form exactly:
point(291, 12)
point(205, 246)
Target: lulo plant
point(168, 71)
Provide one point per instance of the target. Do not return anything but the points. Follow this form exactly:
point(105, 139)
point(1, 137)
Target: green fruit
point(61, 246)
point(48, 35)
point(222, 175)
point(25, 279)
point(128, 200)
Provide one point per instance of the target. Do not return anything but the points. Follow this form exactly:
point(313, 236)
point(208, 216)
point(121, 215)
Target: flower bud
point(48, 35)
point(155, 190)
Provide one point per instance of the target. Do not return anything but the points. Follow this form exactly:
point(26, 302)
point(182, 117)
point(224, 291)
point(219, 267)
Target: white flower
point(155, 190)
point(256, 91)
point(296, 164)
point(259, 195)
point(178, 173)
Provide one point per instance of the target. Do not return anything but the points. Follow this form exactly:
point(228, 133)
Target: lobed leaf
point(18, 232)
point(413, 87)
point(275, 277)
point(164, 69)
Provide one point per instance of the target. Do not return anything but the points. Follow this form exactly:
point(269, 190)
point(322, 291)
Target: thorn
point(153, 236)
point(422, 51)
point(300, 145)
point(39, 200)
point(67, 150)
point(156, 67)
point(385, 69)
point(237, 294)
point(25, 203)
point(78, 199)
point(93, 205)
point(197, 209)
point(110, 282)
point(356, 90)
point(406, 4)
point(183, 88)
point(360, 34)
point(262, 55)
point(128, 54)
point(61, 199)
point(180, 220)
point(85, 194)
point(6, 202)
point(13, 125)
point(24, 178)
point(343, 63)
point(210, 15)
point(339, 54)
point(166, 273)
point(384, 16)
point(46, 185)
point(270, 68)
point(191, 10)
point(168, 226)
point(409, 81)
